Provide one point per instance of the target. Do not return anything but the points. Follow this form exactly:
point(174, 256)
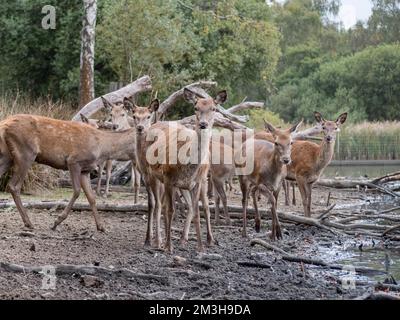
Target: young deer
point(25, 139)
point(120, 118)
point(270, 160)
point(189, 176)
point(143, 118)
point(310, 159)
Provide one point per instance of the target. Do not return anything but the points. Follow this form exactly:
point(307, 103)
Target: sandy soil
point(122, 247)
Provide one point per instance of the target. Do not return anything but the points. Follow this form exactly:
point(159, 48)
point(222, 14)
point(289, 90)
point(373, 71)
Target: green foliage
point(257, 117)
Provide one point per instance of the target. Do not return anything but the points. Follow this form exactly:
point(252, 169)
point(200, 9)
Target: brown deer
point(143, 118)
point(120, 117)
point(175, 173)
point(310, 159)
point(63, 145)
point(270, 160)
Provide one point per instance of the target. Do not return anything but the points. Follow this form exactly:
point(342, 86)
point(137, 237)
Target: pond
point(357, 171)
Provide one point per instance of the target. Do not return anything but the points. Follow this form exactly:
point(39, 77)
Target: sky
point(354, 10)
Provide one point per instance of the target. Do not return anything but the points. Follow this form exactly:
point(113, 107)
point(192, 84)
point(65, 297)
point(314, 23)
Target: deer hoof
point(183, 242)
point(101, 228)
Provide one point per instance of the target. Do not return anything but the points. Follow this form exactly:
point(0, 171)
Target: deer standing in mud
point(270, 160)
point(182, 162)
point(119, 118)
point(63, 145)
point(143, 118)
point(310, 159)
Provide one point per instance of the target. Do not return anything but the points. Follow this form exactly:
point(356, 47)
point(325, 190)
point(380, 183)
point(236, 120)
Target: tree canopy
point(292, 55)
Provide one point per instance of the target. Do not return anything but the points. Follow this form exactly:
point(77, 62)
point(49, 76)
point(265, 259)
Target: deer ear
point(129, 105)
point(154, 105)
point(269, 127)
point(190, 96)
point(221, 97)
point(84, 118)
point(296, 127)
point(342, 118)
point(107, 104)
point(319, 117)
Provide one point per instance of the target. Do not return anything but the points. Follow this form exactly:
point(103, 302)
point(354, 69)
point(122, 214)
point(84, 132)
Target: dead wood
point(390, 229)
point(142, 84)
point(68, 269)
point(252, 264)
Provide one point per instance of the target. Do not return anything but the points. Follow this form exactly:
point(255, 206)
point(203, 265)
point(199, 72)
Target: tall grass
point(369, 141)
point(40, 179)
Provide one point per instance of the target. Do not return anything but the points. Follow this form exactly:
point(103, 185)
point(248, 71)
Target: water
point(365, 251)
point(360, 171)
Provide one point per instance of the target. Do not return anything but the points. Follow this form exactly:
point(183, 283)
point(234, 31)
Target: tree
point(86, 87)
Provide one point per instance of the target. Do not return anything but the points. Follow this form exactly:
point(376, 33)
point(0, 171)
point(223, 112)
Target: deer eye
point(149, 117)
point(134, 117)
point(323, 128)
point(276, 144)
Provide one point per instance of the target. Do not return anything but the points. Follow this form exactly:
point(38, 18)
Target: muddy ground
point(122, 247)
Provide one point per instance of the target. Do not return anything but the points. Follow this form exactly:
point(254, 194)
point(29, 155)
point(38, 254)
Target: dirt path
point(122, 247)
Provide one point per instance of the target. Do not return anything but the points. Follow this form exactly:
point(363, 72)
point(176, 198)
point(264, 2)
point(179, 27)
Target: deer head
point(118, 114)
point(204, 107)
point(330, 128)
point(283, 141)
point(143, 117)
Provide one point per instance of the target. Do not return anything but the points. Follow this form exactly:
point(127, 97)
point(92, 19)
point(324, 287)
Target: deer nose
point(286, 160)
point(140, 128)
point(203, 125)
point(329, 138)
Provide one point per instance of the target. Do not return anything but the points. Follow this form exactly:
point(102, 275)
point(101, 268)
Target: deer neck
point(326, 152)
point(203, 147)
point(112, 143)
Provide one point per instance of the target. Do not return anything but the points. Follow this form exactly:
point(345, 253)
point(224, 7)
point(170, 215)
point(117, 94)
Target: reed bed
point(369, 141)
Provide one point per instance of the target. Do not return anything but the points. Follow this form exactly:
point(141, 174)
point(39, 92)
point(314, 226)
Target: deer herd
point(173, 161)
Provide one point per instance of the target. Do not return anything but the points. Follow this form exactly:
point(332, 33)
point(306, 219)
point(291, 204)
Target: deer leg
point(308, 188)
point(108, 176)
point(210, 188)
point(169, 213)
point(286, 189)
point(157, 212)
point(294, 193)
point(87, 189)
point(204, 200)
point(217, 201)
point(100, 168)
point(244, 186)
point(189, 217)
point(136, 188)
point(220, 193)
point(276, 228)
point(195, 194)
point(302, 187)
point(75, 172)
point(150, 215)
point(258, 217)
point(20, 169)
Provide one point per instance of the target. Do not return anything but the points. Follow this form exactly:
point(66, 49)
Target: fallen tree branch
point(245, 106)
point(69, 269)
point(389, 230)
point(142, 84)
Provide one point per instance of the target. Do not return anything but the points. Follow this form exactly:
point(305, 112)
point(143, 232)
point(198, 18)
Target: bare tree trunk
point(86, 88)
